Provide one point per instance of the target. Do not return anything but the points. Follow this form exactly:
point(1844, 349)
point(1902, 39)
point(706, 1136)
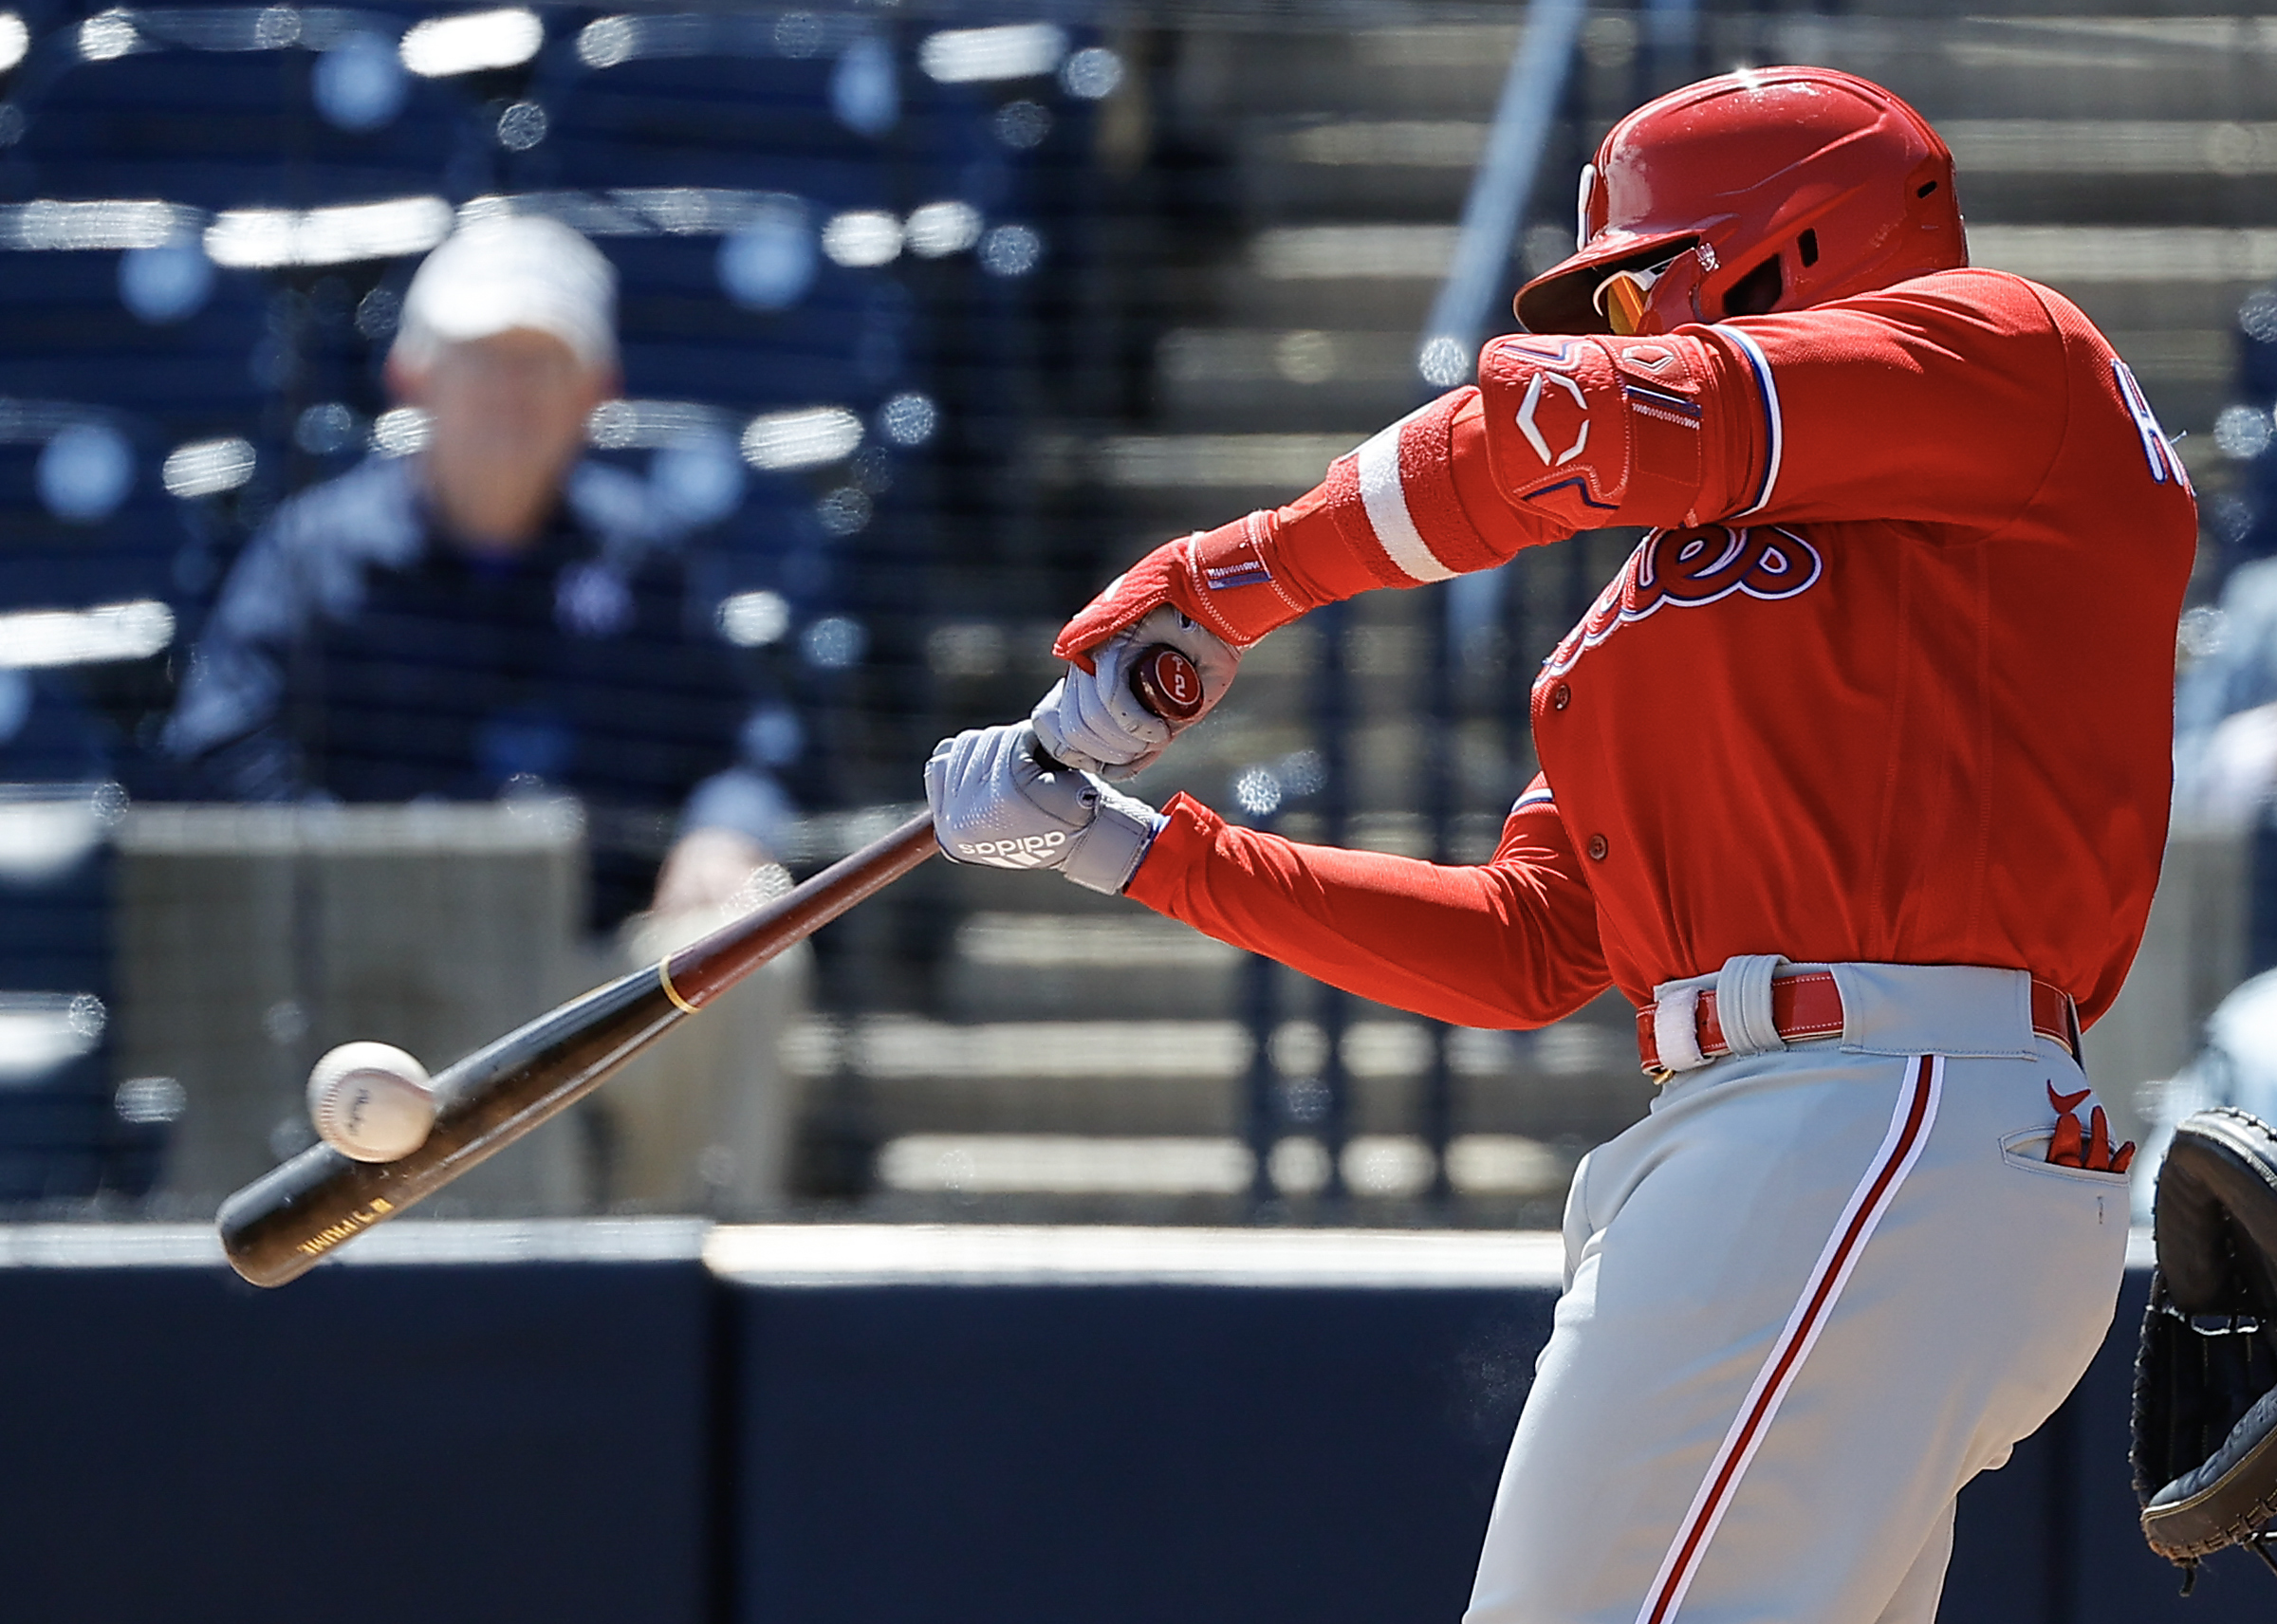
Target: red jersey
point(1890, 680)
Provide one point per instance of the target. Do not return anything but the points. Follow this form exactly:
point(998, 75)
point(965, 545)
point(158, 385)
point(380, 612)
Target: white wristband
point(1112, 845)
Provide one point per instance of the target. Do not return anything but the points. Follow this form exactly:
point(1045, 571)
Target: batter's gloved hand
point(1231, 580)
point(1092, 720)
point(995, 803)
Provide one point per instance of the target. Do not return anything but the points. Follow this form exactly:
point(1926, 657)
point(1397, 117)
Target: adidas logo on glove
point(1026, 845)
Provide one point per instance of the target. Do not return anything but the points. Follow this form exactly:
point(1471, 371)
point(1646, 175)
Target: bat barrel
point(283, 1224)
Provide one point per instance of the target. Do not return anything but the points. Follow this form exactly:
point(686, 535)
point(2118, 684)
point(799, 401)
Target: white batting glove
point(1092, 721)
point(996, 804)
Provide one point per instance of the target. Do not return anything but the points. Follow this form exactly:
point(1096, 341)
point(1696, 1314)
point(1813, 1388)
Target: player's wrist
point(1223, 580)
point(1179, 848)
point(1109, 849)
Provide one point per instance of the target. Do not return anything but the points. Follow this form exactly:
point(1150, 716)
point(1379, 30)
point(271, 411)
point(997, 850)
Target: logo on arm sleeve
point(1531, 420)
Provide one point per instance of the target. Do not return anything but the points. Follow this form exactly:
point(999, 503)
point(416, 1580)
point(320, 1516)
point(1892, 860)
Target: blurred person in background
point(2226, 700)
point(491, 614)
point(495, 615)
point(2226, 704)
point(2235, 1065)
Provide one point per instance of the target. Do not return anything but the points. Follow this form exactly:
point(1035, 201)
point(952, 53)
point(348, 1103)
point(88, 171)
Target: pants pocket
point(2027, 1151)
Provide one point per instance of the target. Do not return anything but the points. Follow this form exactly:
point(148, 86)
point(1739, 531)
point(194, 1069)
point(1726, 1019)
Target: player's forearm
point(1501, 944)
point(1414, 504)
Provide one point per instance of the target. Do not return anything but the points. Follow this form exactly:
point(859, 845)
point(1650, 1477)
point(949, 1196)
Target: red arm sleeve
point(1508, 943)
point(1928, 401)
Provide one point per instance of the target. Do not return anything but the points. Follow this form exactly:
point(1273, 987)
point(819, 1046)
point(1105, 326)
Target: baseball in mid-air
point(371, 1101)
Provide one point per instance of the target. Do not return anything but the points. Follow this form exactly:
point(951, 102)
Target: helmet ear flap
point(1934, 207)
point(1929, 178)
point(1757, 291)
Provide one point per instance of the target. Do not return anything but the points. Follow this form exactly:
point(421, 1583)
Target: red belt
point(1809, 1005)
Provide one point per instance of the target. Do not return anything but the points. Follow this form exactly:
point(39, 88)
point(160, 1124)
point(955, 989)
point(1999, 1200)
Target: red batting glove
point(2069, 1146)
point(2100, 1154)
point(1222, 579)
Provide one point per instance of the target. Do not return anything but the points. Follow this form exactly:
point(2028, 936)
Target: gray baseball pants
point(1808, 1298)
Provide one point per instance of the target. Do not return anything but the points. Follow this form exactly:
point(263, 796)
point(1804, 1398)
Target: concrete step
point(1332, 166)
point(1941, 13)
point(1287, 68)
point(2076, 66)
point(2082, 65)
point(2180, 169)
point(2176, 169)
point(1168, 485)
point(1374, 276)
point(1375, 1166)
point(1285, 379)
point(1007, 966)
point(1186, 1077)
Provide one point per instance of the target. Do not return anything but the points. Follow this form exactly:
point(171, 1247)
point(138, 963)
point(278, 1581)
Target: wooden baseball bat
point(281, 1225)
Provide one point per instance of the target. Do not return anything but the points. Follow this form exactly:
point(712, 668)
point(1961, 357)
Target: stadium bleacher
point(825, 233)
point(231, 107)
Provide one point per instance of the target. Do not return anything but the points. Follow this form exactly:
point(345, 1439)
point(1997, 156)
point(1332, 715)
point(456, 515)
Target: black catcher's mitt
point(2205, 1423)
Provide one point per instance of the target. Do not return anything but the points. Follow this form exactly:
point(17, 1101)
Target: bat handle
point(1163, 680)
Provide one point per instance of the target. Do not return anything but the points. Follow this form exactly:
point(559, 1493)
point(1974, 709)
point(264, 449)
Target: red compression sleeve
point(1510, 943)
point(1416, 503)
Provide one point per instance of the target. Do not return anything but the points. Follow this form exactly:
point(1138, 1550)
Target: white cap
point(515, 271)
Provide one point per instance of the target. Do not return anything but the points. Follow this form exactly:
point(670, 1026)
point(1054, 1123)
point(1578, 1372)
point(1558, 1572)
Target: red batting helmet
point(1767, 189)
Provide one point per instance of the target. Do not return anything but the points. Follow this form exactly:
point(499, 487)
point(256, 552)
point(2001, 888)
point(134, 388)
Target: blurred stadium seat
point(230, 107)
point(84, 518)
point(66, 1130)
point(793, 102)
point(114, 301)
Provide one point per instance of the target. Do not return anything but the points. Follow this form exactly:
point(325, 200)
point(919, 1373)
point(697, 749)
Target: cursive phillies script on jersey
point(1689, 568)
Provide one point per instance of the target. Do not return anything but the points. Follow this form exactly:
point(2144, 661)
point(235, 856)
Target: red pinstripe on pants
point(1908, 1132)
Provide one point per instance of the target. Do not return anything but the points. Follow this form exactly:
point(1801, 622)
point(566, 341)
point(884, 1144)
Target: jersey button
point(1598, 848)
point(1560, 697)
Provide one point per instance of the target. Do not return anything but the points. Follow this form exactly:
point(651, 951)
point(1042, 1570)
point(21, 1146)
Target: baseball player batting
point(1854, 781)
